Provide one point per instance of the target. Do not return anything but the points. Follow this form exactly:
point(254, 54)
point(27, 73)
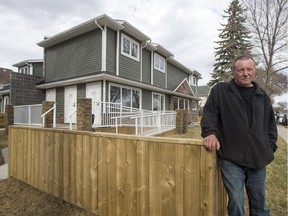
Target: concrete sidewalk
point(4, 167)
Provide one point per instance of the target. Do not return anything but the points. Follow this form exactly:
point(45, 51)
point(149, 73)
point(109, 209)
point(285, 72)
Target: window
point(130, 48)
point(159, 62)
point(25, 70)
point(194, 105)
point(158, 102)
point(180, 103)
point(192, 80)
point(126, 96)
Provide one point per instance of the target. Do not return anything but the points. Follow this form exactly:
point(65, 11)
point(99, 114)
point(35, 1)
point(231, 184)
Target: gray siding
point(78, 56)
point(146, 66)
point(60, 100)
point(159, 79)
point(175, 76)
point(146, 99)
point(81, 91)
point(129, 68)
point(38, 69)
point(111, 50)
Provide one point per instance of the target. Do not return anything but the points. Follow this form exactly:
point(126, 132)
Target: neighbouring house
point(111, 61)
point(19, 88)
point(4, 83)
point(203, 92)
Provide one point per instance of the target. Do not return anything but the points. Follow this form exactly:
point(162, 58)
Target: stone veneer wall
point(46, 105)
point(84, 114)
point(2, 120)
point(9, 116)
point(181, 121)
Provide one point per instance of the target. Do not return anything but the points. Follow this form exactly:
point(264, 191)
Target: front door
point(93, 91)
point(70, 104)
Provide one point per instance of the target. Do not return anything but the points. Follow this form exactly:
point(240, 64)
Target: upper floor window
point(130, 48)
point(159, 62)
point(193, 80)
point(25, 70)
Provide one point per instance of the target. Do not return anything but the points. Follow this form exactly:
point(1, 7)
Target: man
point(238, 121)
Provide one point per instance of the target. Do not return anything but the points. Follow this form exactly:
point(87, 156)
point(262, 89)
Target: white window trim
point(156, 55)
point(131, 41)
point(185, 101)
point(193, 80)
point(161, 108)
point(128, 87)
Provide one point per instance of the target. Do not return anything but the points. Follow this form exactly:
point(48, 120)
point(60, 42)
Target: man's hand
point(211, 142)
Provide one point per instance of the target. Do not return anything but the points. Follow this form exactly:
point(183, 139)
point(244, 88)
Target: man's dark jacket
point(224, 115)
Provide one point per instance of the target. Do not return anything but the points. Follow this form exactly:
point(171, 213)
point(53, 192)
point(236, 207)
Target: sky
point(187, 28)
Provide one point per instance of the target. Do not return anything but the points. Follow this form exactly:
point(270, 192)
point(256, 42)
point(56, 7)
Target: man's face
point(244, 72)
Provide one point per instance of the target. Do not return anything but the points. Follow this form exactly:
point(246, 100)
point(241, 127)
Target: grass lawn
point(276, 184)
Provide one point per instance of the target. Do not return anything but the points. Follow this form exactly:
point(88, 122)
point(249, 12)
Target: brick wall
point(23, 91)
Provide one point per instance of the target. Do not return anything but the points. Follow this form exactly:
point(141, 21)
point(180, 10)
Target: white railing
point(70, 118)
point(106, 113)
point(28, 114)
point(156, 123)
point(54, 115)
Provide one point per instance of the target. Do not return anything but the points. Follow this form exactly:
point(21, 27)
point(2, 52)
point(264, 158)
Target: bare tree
point(267, 21)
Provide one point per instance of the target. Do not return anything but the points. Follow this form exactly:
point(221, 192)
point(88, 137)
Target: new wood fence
point(121, 175)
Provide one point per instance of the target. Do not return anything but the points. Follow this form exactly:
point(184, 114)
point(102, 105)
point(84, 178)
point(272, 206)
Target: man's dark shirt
point(247, 95)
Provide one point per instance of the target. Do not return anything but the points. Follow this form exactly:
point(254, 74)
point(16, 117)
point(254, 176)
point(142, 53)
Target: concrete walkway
point(283, 132)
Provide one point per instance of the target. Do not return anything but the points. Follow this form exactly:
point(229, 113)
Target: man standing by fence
point(238, 121)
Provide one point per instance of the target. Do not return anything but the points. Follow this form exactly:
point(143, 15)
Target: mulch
point(20, 199)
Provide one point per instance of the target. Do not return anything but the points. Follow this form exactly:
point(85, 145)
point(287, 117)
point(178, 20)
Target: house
point(20, 88)
point(203, 92)
point(111, 61)
point(4, 81)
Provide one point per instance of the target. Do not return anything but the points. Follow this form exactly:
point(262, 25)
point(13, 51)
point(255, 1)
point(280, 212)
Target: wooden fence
point(121, 175)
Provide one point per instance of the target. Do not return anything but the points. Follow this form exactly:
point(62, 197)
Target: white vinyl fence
point(28, 114)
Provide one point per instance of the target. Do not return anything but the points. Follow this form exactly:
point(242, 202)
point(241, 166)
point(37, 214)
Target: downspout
point(141, 62)
point(152, 68)
point(117, 53)
point(104, 44)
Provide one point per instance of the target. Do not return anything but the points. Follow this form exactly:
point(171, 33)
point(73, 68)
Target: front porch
point(101, 116)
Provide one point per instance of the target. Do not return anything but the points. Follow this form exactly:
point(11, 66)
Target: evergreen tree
point(234, 40)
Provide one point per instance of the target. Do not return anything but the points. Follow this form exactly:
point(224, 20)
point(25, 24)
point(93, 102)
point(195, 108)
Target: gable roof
point(116, 25)
point(27, 62)
point(5, 75)
point(184, 88)
point(203, 90)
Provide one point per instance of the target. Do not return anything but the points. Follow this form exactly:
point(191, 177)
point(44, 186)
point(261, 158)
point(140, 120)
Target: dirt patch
point(20, 199)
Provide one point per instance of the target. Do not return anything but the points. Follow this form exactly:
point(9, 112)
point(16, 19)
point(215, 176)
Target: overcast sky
point(187, 28)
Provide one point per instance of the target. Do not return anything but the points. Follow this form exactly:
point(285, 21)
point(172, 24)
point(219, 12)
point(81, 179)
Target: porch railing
point(28, 114)
point(106, 113)
point(54, 115)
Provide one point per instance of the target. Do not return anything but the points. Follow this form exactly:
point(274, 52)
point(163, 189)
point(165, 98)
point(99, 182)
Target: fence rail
point(112, 174)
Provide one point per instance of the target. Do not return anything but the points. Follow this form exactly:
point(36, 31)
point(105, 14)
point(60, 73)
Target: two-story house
point(110, 60)
point(4, 83)
point(20, 88)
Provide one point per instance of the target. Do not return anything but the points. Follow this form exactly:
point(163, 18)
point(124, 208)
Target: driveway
point(283, 132)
